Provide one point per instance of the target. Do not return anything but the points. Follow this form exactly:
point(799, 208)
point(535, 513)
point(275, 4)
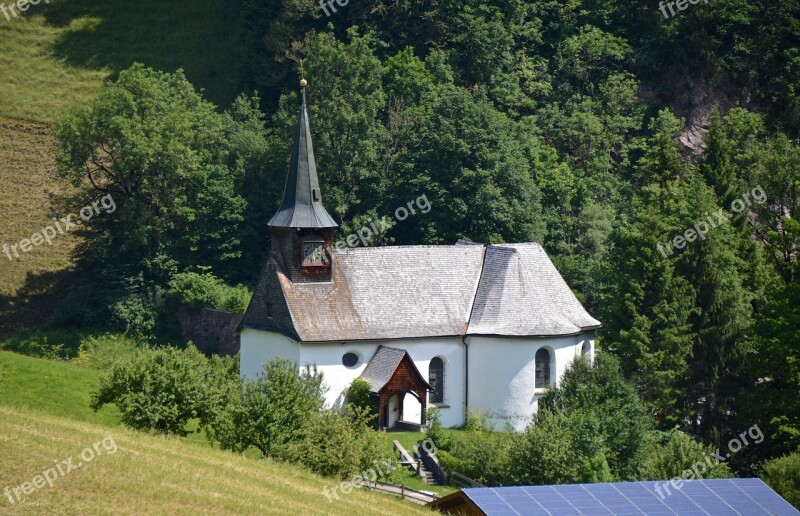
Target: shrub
point(266, 412)
point(334, 445)
point(162, 389)
point(103, 352)
point(361, 397)
point(49, 344)
point(783, 475)
point(560, 448)
point(667, 455)
point(478, 421)
point(601, 390)
point(207, 291)
point(435, 428)
point(482, 456)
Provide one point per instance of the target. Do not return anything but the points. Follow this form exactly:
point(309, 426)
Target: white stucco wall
point(502, 372)
point(328, 358)
point(501, 369)
point(259, 347)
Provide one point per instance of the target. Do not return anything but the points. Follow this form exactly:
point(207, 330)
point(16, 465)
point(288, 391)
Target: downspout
point(466, 376)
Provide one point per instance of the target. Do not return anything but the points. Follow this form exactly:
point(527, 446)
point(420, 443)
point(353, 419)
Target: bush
point(49, 344)
point(482, 456)
point(268, 411)
point(783, 475)
point(162, 389)
point(559, 448)
point(207, 291)
point(667, 455)
point(333, 445)
point(361, 397)
point(478, 421)
point(435, 428)
point(601, 390)
point(103, 352)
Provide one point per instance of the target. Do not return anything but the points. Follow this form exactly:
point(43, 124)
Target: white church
point(459, 327)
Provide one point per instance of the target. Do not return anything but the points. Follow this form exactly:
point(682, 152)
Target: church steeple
point(302, 199)
point(302, 229)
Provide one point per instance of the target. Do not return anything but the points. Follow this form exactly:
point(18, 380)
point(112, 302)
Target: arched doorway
point(412, 408)
point(401, 389)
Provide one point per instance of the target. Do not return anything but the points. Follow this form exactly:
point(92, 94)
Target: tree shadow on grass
point(34, 304)
point(199, 36)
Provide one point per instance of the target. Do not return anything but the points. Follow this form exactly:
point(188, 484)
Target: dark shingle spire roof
point(302, 200)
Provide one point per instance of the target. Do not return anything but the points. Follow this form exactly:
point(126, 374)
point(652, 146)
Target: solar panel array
point(745, 496)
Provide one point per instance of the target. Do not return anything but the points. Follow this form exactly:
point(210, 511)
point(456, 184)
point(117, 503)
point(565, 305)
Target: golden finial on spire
point(303, 81)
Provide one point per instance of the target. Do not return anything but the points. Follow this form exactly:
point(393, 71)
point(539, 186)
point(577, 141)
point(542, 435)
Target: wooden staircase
point(416, 464)
point(428, 477)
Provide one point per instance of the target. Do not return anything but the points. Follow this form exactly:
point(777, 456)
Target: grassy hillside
point(150, 474)
point(56, 56)
point(53, 387)
point(27, 179)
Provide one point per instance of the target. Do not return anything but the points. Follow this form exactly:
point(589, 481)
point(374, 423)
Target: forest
point(655, 158)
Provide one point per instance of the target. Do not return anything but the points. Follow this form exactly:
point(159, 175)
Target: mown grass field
point(55, 57)
point(45, 416)
point(53, 387)
point(27, 182)
point(149, 474)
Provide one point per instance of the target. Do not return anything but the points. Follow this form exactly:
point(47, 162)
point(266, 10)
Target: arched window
point(586, 352)
point(436, 379)
point(542, 360)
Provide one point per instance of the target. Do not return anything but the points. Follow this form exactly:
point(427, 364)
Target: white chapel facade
point(460, 327)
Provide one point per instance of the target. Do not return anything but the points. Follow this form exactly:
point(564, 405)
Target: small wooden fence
point(420, 497)
point(463, 480)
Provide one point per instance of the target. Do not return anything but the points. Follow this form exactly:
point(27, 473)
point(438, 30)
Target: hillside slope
point(148, 474)
point(55, 57)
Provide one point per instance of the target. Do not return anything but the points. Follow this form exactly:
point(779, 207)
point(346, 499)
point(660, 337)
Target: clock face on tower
point(313, 253)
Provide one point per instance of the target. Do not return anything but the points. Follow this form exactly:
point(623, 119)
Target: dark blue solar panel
point(743, 496)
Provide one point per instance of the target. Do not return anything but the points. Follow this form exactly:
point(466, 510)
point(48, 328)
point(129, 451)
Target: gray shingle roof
point(522, 293)
point(382, 366)
point(423, 291)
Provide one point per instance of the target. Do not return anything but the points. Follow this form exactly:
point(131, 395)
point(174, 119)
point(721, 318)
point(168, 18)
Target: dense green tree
point(666, 455)
point(560, 448)
point(270, 409)
point(601, 390)
point(783, 475)
point(163, 389)
point(332, 444)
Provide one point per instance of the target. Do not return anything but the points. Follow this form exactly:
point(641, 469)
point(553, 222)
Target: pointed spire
point(302, 200)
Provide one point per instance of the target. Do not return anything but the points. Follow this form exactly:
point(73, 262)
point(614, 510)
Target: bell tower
point(302, 229)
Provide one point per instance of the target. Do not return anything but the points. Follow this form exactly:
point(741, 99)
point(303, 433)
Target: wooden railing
point(406, 459)
point(463, 480)
point(420, 497)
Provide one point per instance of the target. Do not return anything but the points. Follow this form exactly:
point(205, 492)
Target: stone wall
point(212, 331)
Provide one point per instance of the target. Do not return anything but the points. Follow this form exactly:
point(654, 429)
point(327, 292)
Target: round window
point(350, 359)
